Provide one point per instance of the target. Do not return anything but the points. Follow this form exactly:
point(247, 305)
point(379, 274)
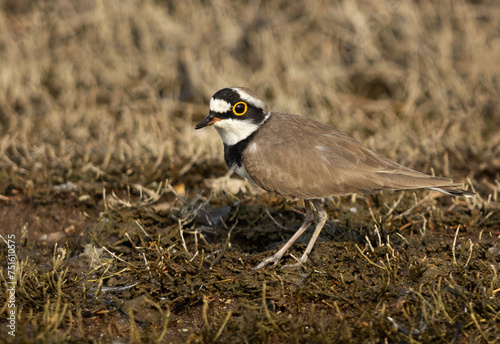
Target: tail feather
point(409, 179)
point(454, 191)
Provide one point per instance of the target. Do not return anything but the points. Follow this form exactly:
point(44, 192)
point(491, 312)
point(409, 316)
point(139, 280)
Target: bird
point(300, 158)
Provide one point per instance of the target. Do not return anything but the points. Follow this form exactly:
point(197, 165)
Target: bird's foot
point(300, 263)
point(274, 259)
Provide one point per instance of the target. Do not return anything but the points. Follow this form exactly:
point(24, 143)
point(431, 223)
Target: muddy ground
point(91, 270)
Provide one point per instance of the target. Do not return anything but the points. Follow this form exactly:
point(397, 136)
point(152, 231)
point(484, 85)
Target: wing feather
point(301, 158)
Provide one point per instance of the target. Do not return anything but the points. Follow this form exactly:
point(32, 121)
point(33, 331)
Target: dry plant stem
point(403, 238)
point(266, 309)
point(454, 245)
point(417, 204)
point(369, 260)
point(274, 221)
point(226, 245)
point(395, 204)
point(222, 326)
point(470, 253)
point(146, 264)
point(181, 232)
point(476, 322)
point(142, 228)
point(132, 242)
point(369, 244)
point(377, 231)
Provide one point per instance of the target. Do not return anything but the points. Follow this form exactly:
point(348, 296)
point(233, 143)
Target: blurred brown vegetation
point(110, 84)
point(103, 95)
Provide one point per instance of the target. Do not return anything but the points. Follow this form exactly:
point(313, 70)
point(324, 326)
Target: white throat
point(233, 131)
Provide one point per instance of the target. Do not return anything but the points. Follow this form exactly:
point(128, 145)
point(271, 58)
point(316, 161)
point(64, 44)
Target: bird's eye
point(240, 108)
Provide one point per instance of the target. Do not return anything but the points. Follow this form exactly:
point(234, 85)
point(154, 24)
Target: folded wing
point(300, 158)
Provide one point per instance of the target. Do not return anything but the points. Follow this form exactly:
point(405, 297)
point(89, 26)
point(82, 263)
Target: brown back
point(301, 158)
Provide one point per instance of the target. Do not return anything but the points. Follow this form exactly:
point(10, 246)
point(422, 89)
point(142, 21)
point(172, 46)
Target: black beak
point(209, 120)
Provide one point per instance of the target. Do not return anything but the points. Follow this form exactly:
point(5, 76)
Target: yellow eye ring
point(239, 111)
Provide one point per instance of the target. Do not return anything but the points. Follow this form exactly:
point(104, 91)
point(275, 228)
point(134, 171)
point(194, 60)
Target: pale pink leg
point(274, 259)
point(322, 216)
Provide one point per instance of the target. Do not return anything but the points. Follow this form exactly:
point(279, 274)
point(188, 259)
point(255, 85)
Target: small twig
point(476, 322)
point(369, 260)
point(272, 218)
point(288, 266)
point(105, 201)
point(371, 212)
point(95, 255)
point(470, 254)
point(389, 246)
point(219, 332)
point(454, 244)
point(266, 310)
point(132, 243)
point(118, 258)
point(125, 287)
point(369, 244)
point(147, 265)
point(424, 229)
point(483, 220)
point(204, 310)
point(402, 237)
point(378, 235)
point(226, 245)
point(395, 205)
point(181, 231)
point(195, 233)
point(417, 203)
point(138, 224)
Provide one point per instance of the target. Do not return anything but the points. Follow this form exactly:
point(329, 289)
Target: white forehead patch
point(219, 105)
point(256, 102)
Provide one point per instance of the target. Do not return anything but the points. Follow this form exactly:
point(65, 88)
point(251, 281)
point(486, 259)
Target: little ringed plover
point(300, 158)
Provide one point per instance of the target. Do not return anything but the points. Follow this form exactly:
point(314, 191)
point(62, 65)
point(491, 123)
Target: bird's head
point(236, 113)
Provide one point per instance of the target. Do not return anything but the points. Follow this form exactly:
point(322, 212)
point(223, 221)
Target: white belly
point(242, 171)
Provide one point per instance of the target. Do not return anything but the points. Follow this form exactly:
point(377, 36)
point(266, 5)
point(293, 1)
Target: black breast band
point(233, 153)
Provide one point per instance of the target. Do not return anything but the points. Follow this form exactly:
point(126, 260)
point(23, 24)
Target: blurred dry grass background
point(105, 94)
point(113, 85)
